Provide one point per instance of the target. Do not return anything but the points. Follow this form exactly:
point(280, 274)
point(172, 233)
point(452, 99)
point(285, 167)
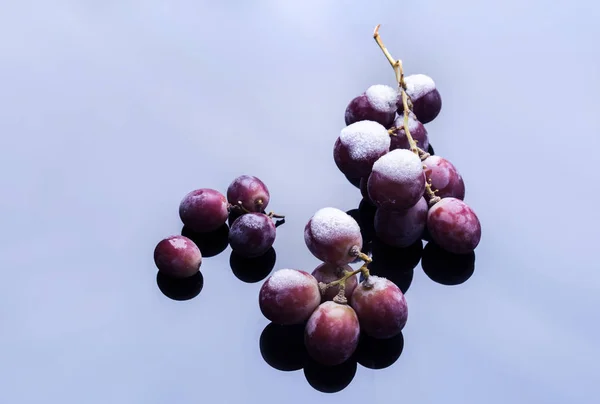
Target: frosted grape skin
point(378, 103)
point(417, 131)
point(252, 234)
point(177, 257)
point(454, 226)
point(251, 191)
point(425, 97)
point(203, 210)
point(445, 178)
point(401, 228)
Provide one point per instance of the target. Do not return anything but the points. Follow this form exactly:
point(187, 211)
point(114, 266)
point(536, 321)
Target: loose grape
point(331, 235)
point(203, 210)
point(289, 296)
point(177, 256)
point(378, 103)
point(251, 191)
point(454, 226)
point(417, 132)
point(397, 181)
point(252, 234)
point(331, 334)
point(445, 178)
point(401, 228)
point(445, 267)
point(180, 289)
point(253, 269)
point(426, 99)
point(359, 145)
point(327, 273)
point(380, 306)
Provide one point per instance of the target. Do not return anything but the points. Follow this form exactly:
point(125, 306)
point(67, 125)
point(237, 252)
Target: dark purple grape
point(359, 145)
point(364, 190)
point(444, 177)
point(252, 234)
point(378, 103)
point(177, 256)
point(454, 226)
point(397, 181)
point(203, 210)
point(289, 296)
point(327, 273)
point(417, 132)
point(332, 333)
point(331, 234)
point(401, 228)
point(426, 99)
point(380, 306)
point(249, 190)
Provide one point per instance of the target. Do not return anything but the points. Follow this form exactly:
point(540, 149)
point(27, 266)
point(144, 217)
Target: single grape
point(331, 235)
point(327, 273)
point(289, 296)
point(380, 306)
point(444, 177)
point(249, 190)
point(426, 99)
point(401, 228)
point(203, 210)
point(397, 181)
point(177, 256)
point(454, 226)
point(378, 103)
point(364, 190)
point(359, 145)
point(331, 334)
point(252, 234)
point(417, 132)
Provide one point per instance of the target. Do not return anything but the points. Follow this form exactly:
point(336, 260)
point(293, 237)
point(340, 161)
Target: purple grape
point(426, 99)
point(454, 226)
point(359, 145)
point(444, 177)
point(364, 190)
point(332, 333)
point(380, 306)
point(249, 190)
point(331, 234)
point(417, 132)
point(397, 181)
point(203, 210)
point(327, 273)
point(252, 234)
point(401, 228)
point(289, 296)
point(378, 103)
point(177, 257)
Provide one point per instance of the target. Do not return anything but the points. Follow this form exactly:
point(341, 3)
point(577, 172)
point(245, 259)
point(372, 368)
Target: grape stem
point(275, 215)
point(241, 207)
point(341, 296)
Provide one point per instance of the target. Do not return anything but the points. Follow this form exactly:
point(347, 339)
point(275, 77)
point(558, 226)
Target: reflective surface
point(111, 112)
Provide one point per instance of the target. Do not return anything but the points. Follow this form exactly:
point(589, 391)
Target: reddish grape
point(397, 181)
point(378, 103)
point(177, 256)
point(454, 226)
point(401, 228)
point(380, 306)
point(289, 296)
point(249, 190)
point(332, 333)
point(331, 234)
point(426, 99)
point(444, 177)
point(252, 234)
point(327, 273)
point(417, 132)
point(359, 145)
point(203, 210)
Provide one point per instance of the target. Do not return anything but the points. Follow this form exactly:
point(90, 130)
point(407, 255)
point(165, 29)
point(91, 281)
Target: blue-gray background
point(111, 111)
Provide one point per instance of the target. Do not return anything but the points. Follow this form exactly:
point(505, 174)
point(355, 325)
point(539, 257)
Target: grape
point(331, 234)
point(289, 296)
point(417, 132)
point(327, 273)
point(397, 181)
point(353, 180)
point(378, 103)
point(364, 190)
point(426, 99)
point(252, 234)
point(203, 210)
point(444, 177)
point(380, 306)
point(249, 190)
point(177, 256)
point(331, 334)
point(454, 226)
point(401, 228)
point(359, 145)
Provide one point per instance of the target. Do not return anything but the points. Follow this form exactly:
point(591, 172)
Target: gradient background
point(111, 111)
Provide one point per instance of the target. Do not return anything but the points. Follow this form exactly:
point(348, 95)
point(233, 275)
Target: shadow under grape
point(210, 244)
point(445, 267)
point(255, 269)
point(180, 289)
